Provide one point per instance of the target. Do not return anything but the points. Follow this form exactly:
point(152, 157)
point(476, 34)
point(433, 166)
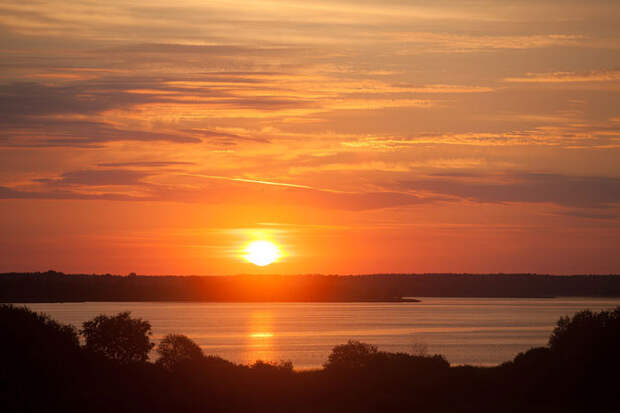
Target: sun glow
point(262, 253)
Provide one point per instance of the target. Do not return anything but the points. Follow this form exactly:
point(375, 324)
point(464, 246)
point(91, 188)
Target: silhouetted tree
point(354, 354)
point(118, 337)
point(38, 356)
point(34, 334)
point(535, 357)
point(587, 336)
point(581, 357)
point(177, 349)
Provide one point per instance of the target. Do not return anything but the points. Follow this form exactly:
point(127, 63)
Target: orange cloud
point(567, 77)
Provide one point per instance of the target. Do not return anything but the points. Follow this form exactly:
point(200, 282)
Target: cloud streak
point(568, 77)
point(569, 191)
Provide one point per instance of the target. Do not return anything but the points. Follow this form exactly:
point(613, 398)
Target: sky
point(359, 136)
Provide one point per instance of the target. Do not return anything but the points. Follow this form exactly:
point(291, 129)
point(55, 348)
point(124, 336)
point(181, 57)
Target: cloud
point(582, 194)
point(36, 99)
point(26, 131)
point(562, 134)
point(11, 193)
point(145, 164)
point(568, 77)
point(591, 214)
point(36, 115)
point(437, 42)
point(94, 177)
point(99, 184)
point(261, 194)
point(571, 191)
point(103, 177)
point(96, 96)
point(207, 50)
point(225, 137)
point(443, 89)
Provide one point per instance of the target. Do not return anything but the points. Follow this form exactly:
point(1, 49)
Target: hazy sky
point(360, 136)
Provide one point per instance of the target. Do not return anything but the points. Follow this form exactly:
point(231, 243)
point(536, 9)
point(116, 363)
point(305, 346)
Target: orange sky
point(360, 136)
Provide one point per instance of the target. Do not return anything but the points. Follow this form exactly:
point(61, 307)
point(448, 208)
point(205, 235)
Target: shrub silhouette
point(536, 357)
point(404, 361)
point(27, 331)
point(587, 338)
point(585, 355)
point(356, 355)
point(581, 357)
point(176, 350)
point(282, 366)
point(586, 332)
point(118, 337)
point(353, 355)
point(38, 356)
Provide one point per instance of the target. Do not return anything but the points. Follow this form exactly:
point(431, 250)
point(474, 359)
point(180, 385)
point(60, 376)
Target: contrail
point(253, 181)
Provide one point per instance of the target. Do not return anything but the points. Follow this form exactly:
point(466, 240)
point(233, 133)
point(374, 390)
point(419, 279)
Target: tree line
point(53, 286)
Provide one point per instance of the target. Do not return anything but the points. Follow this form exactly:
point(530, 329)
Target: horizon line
point(314, 274)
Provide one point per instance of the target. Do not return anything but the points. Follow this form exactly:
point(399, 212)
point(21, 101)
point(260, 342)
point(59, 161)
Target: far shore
point(52, 286)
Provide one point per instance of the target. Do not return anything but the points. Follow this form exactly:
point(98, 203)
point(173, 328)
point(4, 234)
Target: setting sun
point(293, 205)
point(262, 253)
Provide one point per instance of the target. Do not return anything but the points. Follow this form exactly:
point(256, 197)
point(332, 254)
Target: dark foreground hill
point(53, 286)
point(45, 368)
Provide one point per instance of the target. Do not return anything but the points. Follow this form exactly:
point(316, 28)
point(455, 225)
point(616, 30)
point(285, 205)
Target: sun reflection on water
point(261, 335)
point(259, 345)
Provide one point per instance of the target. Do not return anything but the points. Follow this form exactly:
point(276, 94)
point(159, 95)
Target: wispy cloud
point(432, 42)
point(525, 187)
point(568, 77)
point(86, 185)
point(145, 164)
point(540, 136)
point(94, 177)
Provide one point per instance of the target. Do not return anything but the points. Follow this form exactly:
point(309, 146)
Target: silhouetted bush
point(118, 337)
point(537, 356)
point(409, 362)
point(27, 332)
point(282, 366)
point(216, 362)
point(585, 351)
point(587, 335)
point(353, 355)
point(37, 357)
point(176, 350)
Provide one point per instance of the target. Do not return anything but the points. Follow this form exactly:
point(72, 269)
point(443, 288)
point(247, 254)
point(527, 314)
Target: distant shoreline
point(387, 300)
point(53, 286)
point(402, 300)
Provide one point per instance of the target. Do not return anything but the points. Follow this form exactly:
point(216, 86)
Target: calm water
point(465, 330)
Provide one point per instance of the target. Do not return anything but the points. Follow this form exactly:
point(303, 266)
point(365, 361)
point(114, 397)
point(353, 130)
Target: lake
point(477, 331)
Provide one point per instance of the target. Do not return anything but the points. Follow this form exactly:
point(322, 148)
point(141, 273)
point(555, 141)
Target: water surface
point(477, 331)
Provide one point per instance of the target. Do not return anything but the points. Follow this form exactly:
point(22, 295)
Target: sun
point(262, 253)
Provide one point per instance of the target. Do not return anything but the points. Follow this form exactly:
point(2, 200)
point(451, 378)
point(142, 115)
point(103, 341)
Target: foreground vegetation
point(45, 367)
